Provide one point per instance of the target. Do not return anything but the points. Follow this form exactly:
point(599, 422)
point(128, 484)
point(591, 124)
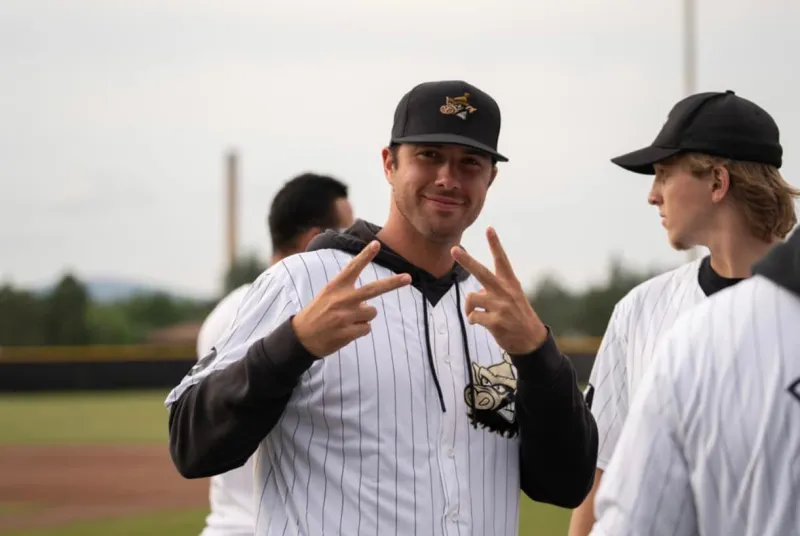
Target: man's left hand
point(501, 305)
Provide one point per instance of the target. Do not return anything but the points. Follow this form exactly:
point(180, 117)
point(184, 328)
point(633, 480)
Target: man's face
point(344, 213)
point(685, 204)
point(439, 189)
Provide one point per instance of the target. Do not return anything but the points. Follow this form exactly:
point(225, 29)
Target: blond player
point(717, 185)
point(712, 443)
point(304, 207)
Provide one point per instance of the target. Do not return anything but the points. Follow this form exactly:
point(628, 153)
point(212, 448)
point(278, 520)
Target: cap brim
point(642, 161)
point(452, 139)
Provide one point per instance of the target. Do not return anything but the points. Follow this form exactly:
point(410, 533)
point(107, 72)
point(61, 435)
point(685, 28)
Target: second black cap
point(715, 123)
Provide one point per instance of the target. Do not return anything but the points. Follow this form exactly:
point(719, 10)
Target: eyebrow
point(467, 150)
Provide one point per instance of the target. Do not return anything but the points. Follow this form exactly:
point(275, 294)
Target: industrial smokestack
point(232, 180)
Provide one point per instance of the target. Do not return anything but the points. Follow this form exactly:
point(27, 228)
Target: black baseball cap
point(713, 123)
point(450, 111)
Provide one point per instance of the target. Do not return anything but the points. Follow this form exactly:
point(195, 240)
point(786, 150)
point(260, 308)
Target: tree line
point(66, 315)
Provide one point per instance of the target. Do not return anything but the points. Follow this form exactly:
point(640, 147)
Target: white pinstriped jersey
point(362, 446)
point(626, 351)
point(230, 495)
point(712, 443)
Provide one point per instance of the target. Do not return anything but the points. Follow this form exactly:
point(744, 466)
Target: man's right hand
point(339, 314)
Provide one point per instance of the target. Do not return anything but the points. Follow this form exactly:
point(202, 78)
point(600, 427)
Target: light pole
point(689, 66)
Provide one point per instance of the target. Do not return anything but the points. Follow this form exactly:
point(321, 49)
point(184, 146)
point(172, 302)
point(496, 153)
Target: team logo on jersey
point(491, 403)
point(458, 106)
point(204, 362)
point(794, 389)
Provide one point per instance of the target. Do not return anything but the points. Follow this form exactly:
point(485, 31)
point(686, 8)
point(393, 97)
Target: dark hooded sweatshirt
point(782, 264)
point(217, 424)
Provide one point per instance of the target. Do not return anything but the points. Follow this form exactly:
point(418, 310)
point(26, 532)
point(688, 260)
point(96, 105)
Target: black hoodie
point(782, 264)
point(216, 425)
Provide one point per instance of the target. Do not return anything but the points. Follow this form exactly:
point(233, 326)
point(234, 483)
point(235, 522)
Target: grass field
point(134, 418)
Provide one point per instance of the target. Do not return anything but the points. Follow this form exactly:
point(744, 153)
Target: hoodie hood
point(433, 289)
point(782, 264)
point(361, 233)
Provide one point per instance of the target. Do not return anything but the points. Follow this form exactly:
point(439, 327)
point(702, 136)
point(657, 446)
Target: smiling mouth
point(443, 201)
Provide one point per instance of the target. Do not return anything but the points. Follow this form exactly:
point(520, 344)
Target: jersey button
point(451, 453)
point(442, 328)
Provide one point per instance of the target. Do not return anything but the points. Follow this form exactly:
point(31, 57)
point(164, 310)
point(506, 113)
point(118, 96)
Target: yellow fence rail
point(168, 352)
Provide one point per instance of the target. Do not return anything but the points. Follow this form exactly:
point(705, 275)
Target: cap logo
point(458, 106)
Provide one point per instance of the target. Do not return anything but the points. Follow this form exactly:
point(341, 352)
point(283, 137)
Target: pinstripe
point(507, 490)
point(275, 470)
point(378, 429)
point(420, 338)
point(483, 440)
point(485, 501)
point(762, 381)
point(410, 399)
point(360, 431)
point(725, 452)
point(394, 390)
point(498, 443)
point(325, 420)
point(294, 432)
point(311, 415)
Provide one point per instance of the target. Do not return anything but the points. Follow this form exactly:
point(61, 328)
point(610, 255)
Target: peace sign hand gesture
point(339, 314)
point(506, 312)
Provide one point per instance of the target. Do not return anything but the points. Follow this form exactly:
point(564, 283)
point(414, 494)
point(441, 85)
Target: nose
point(654, 196)
point(446, 177)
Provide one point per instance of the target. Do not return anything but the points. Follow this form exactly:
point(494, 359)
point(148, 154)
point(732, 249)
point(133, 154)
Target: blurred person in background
point(304, 207)
point(717, 184)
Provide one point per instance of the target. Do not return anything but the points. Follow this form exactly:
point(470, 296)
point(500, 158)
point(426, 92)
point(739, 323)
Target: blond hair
point(764, 196)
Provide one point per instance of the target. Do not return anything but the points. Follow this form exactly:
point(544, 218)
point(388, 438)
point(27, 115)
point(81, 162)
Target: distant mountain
point(106, 290)
point(109, 289)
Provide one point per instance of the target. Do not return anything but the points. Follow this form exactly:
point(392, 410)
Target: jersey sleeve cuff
point(543, 364)
point(284, 357)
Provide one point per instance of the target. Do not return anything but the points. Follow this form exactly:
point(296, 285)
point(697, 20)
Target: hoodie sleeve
point(231, 399)
point(558, 434)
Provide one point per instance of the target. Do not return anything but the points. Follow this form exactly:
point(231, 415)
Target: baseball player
point(389, 382)
point(304, 207)
point(712, 443)
point(717, 184)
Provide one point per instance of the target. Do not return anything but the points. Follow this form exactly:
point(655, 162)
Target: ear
point(720, 183)
point(388, 164)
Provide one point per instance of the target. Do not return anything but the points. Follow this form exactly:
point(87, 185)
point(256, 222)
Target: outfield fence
point(104, 367)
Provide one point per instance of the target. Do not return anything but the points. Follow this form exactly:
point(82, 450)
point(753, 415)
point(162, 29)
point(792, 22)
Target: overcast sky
point(115, 118)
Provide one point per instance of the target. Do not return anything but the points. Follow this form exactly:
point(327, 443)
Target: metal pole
point(689, 48)
point(689, 67)
point(232, 207)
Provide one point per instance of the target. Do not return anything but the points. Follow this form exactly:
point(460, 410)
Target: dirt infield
point(49, 486)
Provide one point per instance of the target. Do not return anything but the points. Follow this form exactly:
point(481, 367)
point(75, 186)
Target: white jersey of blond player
point(712, 443)
point(637, 323)
point(230, 495)
point(323, 469)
